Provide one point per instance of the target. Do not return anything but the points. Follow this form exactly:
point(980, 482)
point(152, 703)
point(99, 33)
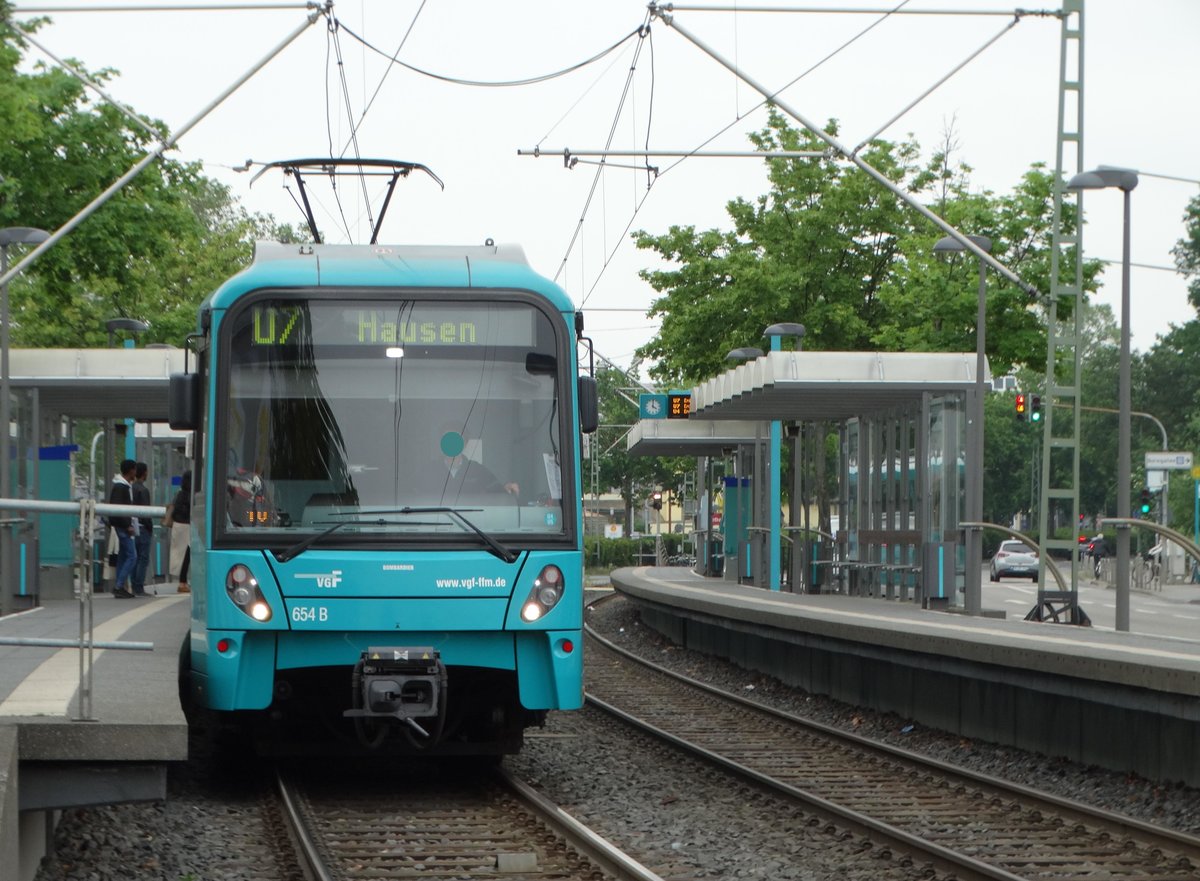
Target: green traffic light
point(1035, 416)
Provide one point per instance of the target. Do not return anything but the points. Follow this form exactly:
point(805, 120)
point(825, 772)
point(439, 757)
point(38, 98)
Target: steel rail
point(597, 849)
point(943, 859)
point(306, 847)
point(1116, 824)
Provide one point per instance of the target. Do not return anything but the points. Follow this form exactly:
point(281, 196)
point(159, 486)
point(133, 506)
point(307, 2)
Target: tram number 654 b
point(302, 614)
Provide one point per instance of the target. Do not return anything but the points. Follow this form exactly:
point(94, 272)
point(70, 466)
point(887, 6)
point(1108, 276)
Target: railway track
point(494, 826)
point(961, 823)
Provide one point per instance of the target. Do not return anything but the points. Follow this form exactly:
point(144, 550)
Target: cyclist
point(1097, 550)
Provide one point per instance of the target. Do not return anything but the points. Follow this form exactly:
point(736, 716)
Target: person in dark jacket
point(124, 527)
point(145, 532)
point(181, 519)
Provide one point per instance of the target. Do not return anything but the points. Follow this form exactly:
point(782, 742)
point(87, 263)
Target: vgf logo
point(323, 579)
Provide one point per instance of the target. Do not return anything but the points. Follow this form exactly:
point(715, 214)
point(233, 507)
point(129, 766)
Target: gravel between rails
point(694, 826)
point(1169, 804)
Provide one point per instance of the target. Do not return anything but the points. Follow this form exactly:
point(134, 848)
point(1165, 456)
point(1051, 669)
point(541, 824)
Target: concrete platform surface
point(135, 709)
point(51, 757)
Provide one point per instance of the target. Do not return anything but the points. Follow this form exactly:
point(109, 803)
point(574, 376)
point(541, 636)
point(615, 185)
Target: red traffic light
point(1020, 406)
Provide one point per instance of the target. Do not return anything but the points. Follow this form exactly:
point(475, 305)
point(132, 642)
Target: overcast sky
point(1142, 69)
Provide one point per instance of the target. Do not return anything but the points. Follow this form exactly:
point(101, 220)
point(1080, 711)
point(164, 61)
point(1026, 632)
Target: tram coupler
point(403, 682)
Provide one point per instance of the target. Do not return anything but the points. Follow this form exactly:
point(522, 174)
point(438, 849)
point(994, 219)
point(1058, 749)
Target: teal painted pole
point(774, 495)
point(130, 426)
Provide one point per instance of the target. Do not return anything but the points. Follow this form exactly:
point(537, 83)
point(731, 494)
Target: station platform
point(51, 757)
point(1127, 701)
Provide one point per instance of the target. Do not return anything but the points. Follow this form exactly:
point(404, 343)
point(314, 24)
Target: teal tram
point(386, 537)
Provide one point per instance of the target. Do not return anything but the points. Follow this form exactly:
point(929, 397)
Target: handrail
point(1193, 549)
point(87, 509)
point(810, 529)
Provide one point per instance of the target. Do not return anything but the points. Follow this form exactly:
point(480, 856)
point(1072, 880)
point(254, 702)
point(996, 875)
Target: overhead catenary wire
point(863, 165)
point(643, 32)
point(821, 62)
point(869, 138)
point(669, 8)
point(170, 7)
point(341, 68)
point(713, 137)
point(129, 113)
point(387, 69)
point(495, 84)
point(155, 153)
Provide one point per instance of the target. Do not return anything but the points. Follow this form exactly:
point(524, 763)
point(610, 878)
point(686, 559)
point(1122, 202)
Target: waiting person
point(181, 529)
point(124, 527)
point(145, 533)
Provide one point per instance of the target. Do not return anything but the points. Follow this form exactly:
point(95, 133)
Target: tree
point(633, 477)
point(1187, 251)
point(153, 251)
point(830, 248)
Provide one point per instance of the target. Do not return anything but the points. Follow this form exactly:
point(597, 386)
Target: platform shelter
point(68, 405)
point(882, 517)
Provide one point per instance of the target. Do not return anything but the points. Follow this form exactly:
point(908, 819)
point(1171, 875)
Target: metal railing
point(89, 512)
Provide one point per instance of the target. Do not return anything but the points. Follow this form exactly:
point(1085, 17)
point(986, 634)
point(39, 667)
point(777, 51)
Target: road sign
point(1170, 461)
point(1196, 473)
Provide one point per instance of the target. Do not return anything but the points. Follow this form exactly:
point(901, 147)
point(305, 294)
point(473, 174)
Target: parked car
point(1014, 559)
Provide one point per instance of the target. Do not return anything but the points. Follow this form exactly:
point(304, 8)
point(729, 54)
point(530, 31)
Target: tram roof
point(831, 385)
point(399, 266)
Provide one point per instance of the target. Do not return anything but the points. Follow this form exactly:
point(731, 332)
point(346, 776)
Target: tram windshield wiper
point(301, 546)
point(507, 554)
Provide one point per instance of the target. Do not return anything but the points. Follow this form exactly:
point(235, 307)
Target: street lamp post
point(13, 235)
point(974, 552)
point(1124, 179)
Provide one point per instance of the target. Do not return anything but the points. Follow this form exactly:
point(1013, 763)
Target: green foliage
point(1187, 251)
point(1011, 449)
point(153, 251)
point(606, 554)
point(828, 247)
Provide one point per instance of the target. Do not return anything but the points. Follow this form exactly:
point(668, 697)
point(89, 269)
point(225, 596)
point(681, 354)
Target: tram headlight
point(546, 592)
point(243, 589)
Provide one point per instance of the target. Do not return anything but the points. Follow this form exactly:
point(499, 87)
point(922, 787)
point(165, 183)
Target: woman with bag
point(179, 518)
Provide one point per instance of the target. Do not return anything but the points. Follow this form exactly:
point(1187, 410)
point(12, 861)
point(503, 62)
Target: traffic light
point(656, 501)
point(1020, 406)
point(1035, 408)
point(1145, 502)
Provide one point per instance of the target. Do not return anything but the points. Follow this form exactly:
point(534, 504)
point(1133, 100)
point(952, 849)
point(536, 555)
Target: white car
point(1015, 559)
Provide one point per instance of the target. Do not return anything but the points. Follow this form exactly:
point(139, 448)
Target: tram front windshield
point(339, 410)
